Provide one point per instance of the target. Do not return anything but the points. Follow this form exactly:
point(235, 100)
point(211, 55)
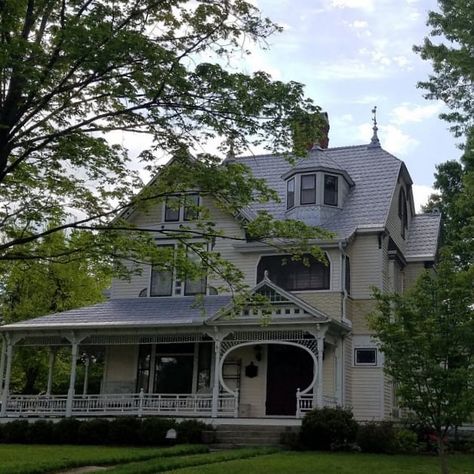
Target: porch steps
point(230, 436)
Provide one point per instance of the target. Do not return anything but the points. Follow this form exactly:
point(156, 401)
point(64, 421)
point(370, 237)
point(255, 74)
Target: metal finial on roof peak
point(374, 141)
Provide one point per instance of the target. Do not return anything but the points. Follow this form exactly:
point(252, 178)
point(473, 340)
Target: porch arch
point(277, 342)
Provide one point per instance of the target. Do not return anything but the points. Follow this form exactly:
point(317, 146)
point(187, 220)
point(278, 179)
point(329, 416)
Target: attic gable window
point(308, 189)
point(330, 190)
point(181, 208)
point(290, 193)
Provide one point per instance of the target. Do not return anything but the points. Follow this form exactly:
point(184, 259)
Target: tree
point(427, 337)
point(452, 56)
point(454, 181)
point(32, 288)
point(74, 71)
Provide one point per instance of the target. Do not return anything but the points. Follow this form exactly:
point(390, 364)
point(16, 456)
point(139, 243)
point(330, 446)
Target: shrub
point(324, 428)
point(377, 437)
point(93, 432)
point(41, 432)
point(190, 431)
point(153, 431)
point(16, 431)
point(406, 441)
point(125, 431)
point(65, 431)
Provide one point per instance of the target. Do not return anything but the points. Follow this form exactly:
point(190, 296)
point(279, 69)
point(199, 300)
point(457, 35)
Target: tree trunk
point(443, 461)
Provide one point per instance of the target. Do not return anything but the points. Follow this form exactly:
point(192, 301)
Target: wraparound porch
point(224, 396)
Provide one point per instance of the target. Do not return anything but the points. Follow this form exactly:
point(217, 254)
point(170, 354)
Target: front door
point(289, 368)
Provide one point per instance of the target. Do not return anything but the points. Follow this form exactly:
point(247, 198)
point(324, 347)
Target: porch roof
point(130, 312)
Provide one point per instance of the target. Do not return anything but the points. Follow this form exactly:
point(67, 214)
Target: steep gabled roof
point(423, 236)
point(373, 170)
point(278, 296)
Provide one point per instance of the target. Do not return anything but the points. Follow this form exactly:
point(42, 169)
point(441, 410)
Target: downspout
point(343, 282)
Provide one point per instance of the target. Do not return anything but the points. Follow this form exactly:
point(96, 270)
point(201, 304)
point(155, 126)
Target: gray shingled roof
point(373, 170)
point(423, 236)
point(131, 312)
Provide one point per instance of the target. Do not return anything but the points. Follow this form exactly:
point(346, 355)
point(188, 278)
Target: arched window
point(309, 274)
point(402, 211)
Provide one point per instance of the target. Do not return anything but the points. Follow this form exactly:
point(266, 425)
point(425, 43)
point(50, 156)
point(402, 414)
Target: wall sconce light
point(258, 353)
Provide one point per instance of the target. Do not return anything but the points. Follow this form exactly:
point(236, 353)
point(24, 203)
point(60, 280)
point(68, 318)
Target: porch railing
point(305, 403)
point(139, 404)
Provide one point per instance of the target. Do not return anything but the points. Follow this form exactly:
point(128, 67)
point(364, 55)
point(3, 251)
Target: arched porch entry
point(271, 374)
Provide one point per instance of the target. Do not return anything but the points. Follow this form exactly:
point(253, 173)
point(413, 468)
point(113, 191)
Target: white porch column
point(85, 387)
point(215, 388)
point(72, 378)
point(52, 359)
point(319, 384)
point(6, 386)
point(339, 374)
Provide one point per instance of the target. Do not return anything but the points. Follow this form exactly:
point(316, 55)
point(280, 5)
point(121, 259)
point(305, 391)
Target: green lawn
point(36, 459)
point(28, 459)
point(335, 463)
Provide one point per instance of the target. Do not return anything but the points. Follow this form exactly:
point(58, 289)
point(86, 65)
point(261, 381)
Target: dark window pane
point(330, 190)
point(295, 276)
point(204, 367)
point(178, 348)
point(290, 193)
point(172, 209)
point(366, 356)
point(191, 202)
point(174, 374)
point(308, 189)
point(143, 375)
point(161, 282)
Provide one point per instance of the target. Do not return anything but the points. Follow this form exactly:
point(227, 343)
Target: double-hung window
point(182, 208)
point(330, 190)
point(290, 193)
point(195, 284)
point(162, 277)
point(308, 189)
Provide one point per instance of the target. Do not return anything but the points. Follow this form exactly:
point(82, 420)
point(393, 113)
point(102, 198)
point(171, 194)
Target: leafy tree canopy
point(450, 48)
point(73, 71)
point(427, 337)
point(33, 288)
point(454, 182)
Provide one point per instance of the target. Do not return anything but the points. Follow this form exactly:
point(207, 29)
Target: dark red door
point(288, 369)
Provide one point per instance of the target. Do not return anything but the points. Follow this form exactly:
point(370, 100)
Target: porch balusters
point(8, 371)
point(72, 379)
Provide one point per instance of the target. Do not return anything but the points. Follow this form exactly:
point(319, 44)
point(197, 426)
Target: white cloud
point(347, 69)
point(392, 138)
point(407, 113)
point(355, 4)
point(421, 194)
point(359, 24)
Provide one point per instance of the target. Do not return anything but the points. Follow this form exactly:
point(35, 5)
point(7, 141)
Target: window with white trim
point(365, 356)
point(308, 189)
point(182, 207)
point(330, 190)
point(290, 193)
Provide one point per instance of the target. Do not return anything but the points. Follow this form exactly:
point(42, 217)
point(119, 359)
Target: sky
point(352, 55)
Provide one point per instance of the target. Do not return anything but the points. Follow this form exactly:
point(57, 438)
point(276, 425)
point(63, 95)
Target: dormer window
point(308, 189)
point(290, 193)
point(330, 190)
